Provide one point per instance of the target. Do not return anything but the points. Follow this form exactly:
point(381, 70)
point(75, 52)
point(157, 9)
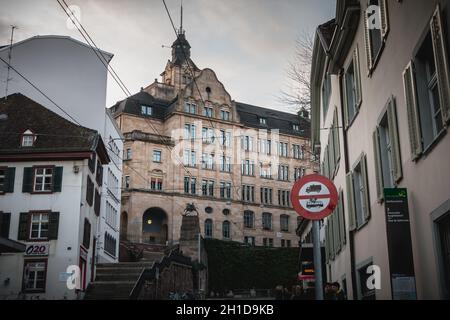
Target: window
point(297, 152)
point(146, 110)
point(208, 228)
point(34, 275)
point(110, 244)
point(326, 94)
point(190, 158)
point(189, 131)
point(284, 223)
point(28, 140)
point(91, 161)
point(226, 230)
point(265, 146)
point(265, 170)
point(7, 177)
point(249, 219)
point(266, 195)
point(335, 232)
point(283, 173)
point(157, 156)
point(249, 240)
point(225, 138)
point(128, 154)
point(296, 127)
point(186, 79)
point(299, 173)
point(267, 221)
point(86, 234)
point(263, 121)
point(248, 193)
point(352, 89)
point(247, 143)
point(111, 215)
point(190, 108)
point(39, 226)
point(208, 135)
point(208, 188)
point(283, 149)
point(208, 161)
point(113, 184)
point(2, 179)
point(267, 242)
point(127, 182)
point(225, 190)
point(190, 185)
point(99, 174)
point(90, 191)
point(284, 198)
point(388, 166)
point(225, 164)
point(376, 30)
point(43, 179)
point(208, 112)
point(357, 186)
point(427, 89)
point(113, 151)
point(97, 203)
point(224, 115)
point(248, 168)
point(156, 184)
point(288, 243)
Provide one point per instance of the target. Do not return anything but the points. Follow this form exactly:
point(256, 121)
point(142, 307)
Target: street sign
point(314, 197)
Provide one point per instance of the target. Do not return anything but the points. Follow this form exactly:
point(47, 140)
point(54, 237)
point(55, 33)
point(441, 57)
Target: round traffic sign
point(314, 197)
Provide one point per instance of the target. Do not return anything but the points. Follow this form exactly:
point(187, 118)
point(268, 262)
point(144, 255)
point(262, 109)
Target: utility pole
point(9, 60)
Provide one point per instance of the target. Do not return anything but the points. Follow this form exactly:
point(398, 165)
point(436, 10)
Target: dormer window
point(146, 110)
point(263, 121)
point(296, 127)
point(28, 138)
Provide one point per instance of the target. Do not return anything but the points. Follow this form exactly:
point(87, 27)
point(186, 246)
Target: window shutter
point(393, 136)
point(24, 226)
point(326, 163)
point(442, 65)
point(57, 179)
point(384, 17)
point(27, 184)
point(342, 219)
point(377, 160)
point(5, 220)
point(350, 203)
point(337, 230)
point(366, 187)
point(357, 71)
point(53, 225)
point(337, 146)
point(9, 180)
point(332, 247)
point(327, 243)
point(331, 153)
point(415, 135)
point(367, 42)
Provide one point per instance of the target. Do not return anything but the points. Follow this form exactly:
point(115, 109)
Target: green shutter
point(357, 71)
point(331, 153)
point(384, 18)
point(342, 219)
point(27, 184)
point(377, 161)
point(337, 147)
point(57, 179)
point(9, 180)
point(332, 247)
point(441, 61)
point(336, 225)
point(5, 220)
point(327, 243)
point(24, 224)
point(53, 226)
point(344, 86)
point(366, 187)
point(410, 88)
point(368, 44)
point(350, 202)
point(393, 136)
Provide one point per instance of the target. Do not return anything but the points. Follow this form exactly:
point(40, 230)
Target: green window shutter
point(337, 236)
point(9, 180)
point(393, 136)
point(368, 44)
point(342, 231)
point(53, 225)
point(442, 64)
point(384, 18)
point(57, 179)
point(377, 161)
point(24, 226)
point(357, 71)
point(5, 220)
point(337, 147)
point(331, 153)
point(366, 187)
point(410, 88)
point(27, 184)
point(350, 202)
point(332, 247)
point(344, 86)
point(327, 243)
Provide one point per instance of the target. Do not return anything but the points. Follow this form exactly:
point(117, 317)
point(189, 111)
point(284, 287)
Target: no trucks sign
point(314, 197)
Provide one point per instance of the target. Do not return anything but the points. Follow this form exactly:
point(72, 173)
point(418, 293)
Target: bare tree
point(298, 94)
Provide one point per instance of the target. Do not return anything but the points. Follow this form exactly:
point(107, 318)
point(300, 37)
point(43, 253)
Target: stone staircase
point(115, 281)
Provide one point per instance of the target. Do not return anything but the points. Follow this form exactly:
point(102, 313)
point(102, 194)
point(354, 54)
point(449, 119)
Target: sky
point(248, 43)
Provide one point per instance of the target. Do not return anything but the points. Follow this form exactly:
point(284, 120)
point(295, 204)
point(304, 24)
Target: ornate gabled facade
point(188, 141)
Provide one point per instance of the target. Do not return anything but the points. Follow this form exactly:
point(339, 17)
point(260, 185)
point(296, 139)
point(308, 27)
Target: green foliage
point(232, 265)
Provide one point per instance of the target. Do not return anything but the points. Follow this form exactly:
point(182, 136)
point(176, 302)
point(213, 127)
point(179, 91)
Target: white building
point(70, 73)
point(51, 173)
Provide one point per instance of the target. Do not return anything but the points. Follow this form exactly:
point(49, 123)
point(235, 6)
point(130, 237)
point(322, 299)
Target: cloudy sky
point(248, 43)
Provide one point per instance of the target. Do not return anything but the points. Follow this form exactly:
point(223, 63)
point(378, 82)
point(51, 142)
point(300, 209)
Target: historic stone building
point(188, 141)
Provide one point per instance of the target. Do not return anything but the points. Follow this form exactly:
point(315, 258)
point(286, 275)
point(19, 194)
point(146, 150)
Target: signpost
point(314, 197)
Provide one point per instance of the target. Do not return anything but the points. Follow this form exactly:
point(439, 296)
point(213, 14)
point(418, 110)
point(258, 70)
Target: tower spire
point(181, 19)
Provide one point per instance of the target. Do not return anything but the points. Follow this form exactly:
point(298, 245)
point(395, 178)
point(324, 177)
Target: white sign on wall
point(37, 249)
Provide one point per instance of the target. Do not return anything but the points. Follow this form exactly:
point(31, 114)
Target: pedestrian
point(286, 294)
point(328, 292)
point(278, 292)
point(297, 293)
point(339, 293)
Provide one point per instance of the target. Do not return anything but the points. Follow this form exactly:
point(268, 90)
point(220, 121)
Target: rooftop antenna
point(9, 60)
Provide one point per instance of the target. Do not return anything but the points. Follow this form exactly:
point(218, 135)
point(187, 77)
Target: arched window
point(208, 228)
point(284, 222)
point(226, 230)
point(267, 221)
point(249, 219)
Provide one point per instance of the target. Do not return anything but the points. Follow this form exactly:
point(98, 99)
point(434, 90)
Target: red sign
point(314, 197)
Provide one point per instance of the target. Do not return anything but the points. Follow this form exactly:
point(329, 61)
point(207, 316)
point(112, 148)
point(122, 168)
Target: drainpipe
point(351, 234)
